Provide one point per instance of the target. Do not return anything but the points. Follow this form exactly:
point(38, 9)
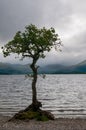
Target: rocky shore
point(58, 124)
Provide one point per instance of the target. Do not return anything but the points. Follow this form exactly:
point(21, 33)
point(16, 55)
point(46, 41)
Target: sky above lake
point(68, 17)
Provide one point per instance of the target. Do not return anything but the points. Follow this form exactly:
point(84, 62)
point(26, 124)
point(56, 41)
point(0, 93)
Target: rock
point(39, 115)
point(48, 114)
point(34, 112)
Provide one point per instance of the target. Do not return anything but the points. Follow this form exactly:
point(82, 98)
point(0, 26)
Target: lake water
point(63, 95)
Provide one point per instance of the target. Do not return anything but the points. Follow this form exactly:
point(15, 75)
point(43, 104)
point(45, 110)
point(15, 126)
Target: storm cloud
point(67, 17)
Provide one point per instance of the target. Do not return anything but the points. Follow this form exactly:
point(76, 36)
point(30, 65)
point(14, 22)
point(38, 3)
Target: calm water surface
point(63, 95)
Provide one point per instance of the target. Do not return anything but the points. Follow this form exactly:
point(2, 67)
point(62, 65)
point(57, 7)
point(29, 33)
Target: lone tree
point(33, 43)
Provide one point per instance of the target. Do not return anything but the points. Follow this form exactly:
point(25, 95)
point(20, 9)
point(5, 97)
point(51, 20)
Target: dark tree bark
point(35, 103)
point(34, 93)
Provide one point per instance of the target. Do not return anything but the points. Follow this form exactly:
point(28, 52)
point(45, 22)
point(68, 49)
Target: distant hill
point(51, 69)
point(6, 68)
point(60, 69)
point(82, 63)
point(80, 67)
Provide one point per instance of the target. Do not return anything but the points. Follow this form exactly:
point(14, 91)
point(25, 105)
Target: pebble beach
point(57, 124)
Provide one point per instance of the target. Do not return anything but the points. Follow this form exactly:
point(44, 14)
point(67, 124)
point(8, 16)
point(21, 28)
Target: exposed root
point(29, 113)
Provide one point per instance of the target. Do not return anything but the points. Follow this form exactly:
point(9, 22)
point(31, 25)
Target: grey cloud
point(14, 15)
point(67, 17)
point(75, 49)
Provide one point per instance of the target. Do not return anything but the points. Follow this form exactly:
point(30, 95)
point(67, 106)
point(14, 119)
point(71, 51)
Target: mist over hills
point(7, 68)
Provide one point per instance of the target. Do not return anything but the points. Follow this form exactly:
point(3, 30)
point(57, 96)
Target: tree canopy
point(33, 42)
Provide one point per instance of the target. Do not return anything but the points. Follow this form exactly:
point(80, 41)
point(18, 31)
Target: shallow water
point(63, 95)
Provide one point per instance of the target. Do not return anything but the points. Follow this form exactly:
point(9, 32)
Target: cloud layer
point(67, 17)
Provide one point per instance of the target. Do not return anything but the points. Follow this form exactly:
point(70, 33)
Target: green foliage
point(32, 115)
point(33, 42)
point(42, 118)
point(27, 115)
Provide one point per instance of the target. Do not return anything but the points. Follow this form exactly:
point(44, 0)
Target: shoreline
point(57, 124)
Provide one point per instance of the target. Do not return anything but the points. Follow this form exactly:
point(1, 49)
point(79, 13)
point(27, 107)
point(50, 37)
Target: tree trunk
point(34, 92)
point(35, 104)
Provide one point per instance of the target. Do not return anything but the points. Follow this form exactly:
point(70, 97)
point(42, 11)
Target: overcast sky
point(68, 17)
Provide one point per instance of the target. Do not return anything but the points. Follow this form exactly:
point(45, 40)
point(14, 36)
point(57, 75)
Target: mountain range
point(7, 68)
